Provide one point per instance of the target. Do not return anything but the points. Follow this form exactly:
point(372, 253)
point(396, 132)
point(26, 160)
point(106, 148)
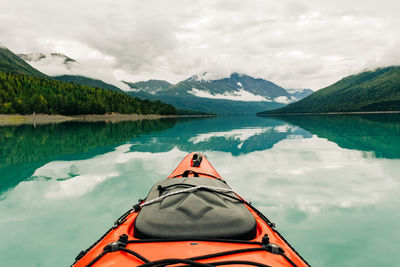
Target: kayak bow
point(192, 218)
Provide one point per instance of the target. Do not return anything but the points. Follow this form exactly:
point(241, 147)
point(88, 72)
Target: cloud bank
point(296, 44)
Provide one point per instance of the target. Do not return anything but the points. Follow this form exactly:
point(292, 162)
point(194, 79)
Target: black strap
point(226, 253)
point(166, 262)
point(193, 263)
point(252, 263)
point(97, 258)
point(117, 246)
point(186, 173)
point(199, 173)
point(120, 245)
point(218, 240)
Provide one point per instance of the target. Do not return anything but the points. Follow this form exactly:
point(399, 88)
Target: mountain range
point(237, 94)
point(377, 90)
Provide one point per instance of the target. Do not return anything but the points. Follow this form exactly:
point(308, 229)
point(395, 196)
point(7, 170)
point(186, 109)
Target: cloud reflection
point(311, 174)
point(75, 178)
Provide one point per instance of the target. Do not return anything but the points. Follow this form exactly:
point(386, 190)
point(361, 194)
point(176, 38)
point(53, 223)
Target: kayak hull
point(115, 247)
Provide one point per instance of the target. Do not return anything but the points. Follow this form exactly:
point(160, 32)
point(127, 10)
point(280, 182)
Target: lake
point(331, 183)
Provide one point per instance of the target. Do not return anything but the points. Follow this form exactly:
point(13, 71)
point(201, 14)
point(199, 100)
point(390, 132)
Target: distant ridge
point(369, 91)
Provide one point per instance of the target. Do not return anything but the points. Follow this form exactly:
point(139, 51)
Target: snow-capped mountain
point(238, 87)
point(237, 94)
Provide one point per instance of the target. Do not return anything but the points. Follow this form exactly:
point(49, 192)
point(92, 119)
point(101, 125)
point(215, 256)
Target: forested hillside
point(11, 63)
point(377, 90)
point(27, 94)
point(87, 81)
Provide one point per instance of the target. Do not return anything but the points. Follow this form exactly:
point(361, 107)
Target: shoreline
point(18, 119)
point(332, 113)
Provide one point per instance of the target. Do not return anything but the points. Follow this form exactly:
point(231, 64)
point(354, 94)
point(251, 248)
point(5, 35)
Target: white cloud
point(283, 99)
point(239, 95)
point(296, 44)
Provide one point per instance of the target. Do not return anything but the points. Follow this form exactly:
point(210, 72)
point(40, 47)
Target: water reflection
point(25, 148)
point(315, 178)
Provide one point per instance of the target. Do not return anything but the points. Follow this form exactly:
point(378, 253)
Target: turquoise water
point(330, 183)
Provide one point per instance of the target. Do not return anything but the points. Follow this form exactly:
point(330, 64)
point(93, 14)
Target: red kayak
point(192, 218)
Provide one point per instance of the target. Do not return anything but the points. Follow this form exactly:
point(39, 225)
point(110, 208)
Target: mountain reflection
point(379, 133)
point(235, 135)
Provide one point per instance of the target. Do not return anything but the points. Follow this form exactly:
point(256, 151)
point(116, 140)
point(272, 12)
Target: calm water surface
point(330, 183)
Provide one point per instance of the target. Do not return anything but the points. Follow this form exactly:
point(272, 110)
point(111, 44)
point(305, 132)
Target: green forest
point(25, 94)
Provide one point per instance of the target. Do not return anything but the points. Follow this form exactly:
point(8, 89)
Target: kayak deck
point(161, 243)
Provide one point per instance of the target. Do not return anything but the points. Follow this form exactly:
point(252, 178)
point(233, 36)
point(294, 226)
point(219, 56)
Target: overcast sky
point(296, 44)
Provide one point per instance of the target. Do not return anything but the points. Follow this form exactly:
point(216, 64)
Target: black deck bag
point(198, 214)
